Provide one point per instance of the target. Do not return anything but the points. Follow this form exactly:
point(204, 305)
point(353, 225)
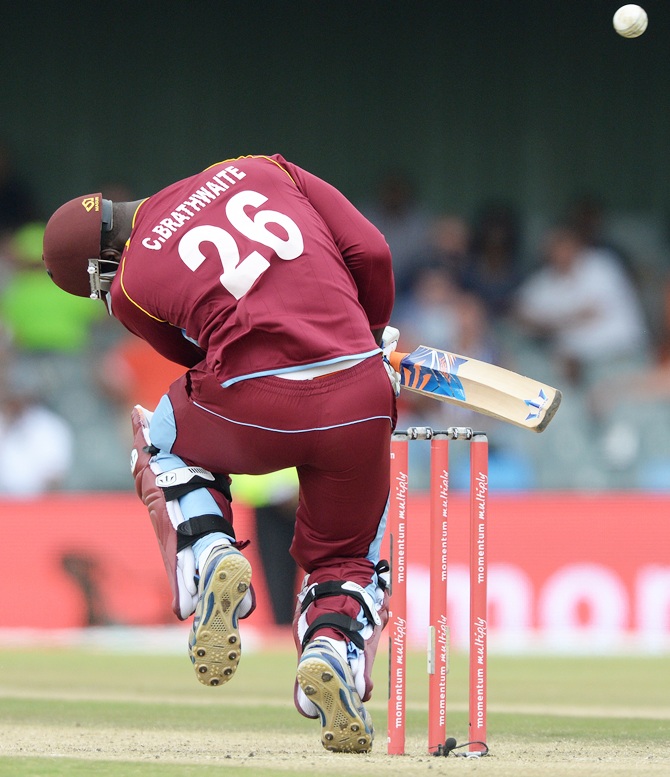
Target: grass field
point(82, 712)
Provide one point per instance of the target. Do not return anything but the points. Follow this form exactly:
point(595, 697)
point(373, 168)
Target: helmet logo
point(91, 203)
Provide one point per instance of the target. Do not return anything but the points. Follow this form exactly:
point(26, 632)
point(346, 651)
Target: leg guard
point(361, 634)
point(160, 492)
point(361, 665)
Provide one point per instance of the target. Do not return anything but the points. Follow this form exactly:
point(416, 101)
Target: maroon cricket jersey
point(257, 266)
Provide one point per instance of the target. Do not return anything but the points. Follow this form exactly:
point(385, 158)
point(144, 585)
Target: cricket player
point(273, 291)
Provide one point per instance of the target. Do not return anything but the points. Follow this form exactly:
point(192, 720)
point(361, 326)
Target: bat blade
point(479, 386)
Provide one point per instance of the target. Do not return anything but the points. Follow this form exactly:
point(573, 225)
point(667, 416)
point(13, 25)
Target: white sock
point(339, 644)
point(354, 657)
point(205, 546)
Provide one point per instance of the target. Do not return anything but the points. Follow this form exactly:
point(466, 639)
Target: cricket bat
point(479, 386)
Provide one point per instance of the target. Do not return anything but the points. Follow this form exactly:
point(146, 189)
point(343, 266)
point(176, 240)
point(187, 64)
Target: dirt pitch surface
point(298, 754)
point(572, 717)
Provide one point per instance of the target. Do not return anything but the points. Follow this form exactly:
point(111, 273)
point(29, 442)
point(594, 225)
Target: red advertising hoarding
point(566, 571)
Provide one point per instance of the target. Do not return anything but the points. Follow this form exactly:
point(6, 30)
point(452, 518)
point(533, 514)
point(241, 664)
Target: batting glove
point(389, 344)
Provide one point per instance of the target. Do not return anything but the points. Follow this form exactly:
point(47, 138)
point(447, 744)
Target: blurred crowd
point(574, 303)
point(581, 302)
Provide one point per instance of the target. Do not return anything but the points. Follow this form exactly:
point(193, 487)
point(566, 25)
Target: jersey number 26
point(238, 274)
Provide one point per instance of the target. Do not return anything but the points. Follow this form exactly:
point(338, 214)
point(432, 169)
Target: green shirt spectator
point(36, 314)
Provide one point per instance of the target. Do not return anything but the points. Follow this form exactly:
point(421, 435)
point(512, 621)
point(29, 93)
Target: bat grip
point(395, 358)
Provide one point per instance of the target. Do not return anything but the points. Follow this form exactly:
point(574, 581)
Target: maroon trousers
point(335, 430)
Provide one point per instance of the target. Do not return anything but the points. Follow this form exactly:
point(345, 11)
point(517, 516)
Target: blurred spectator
point(585, 307)
point(650, 385)
point(35, 447)
point(35, 443)
point(404, 222)
point(632, 417)
point(16, 208)
point(132, 373)
point(493, 272)
point(439, 313)
point(429, 314)
point(447, 249)
point(32, 307)
point(476, 337)
point(664, 335)
point(586, 214)
point(451, 237)
point(55, 337)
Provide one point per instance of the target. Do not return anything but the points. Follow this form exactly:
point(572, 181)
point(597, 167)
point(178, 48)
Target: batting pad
point(165, 517)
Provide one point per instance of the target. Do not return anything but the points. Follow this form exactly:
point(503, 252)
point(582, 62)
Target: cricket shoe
point(325, 678)
point(225, 596)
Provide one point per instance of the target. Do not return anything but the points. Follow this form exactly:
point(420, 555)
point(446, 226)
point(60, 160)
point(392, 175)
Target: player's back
point(237, 257)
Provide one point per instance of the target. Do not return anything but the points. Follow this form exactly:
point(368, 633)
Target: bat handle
point(395, 358)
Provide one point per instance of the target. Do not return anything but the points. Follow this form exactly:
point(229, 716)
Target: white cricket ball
point(630, 21)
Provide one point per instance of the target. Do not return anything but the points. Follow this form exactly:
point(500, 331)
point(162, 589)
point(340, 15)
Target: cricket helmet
point(72, 238)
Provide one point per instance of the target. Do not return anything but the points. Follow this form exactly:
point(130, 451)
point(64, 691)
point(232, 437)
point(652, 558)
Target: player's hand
point(389, 344)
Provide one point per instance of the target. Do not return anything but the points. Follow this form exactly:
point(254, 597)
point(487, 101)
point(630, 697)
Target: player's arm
point(361, 244)
point(167, 340)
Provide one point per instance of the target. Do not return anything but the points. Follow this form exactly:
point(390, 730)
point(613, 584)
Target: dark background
point(531, 100)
